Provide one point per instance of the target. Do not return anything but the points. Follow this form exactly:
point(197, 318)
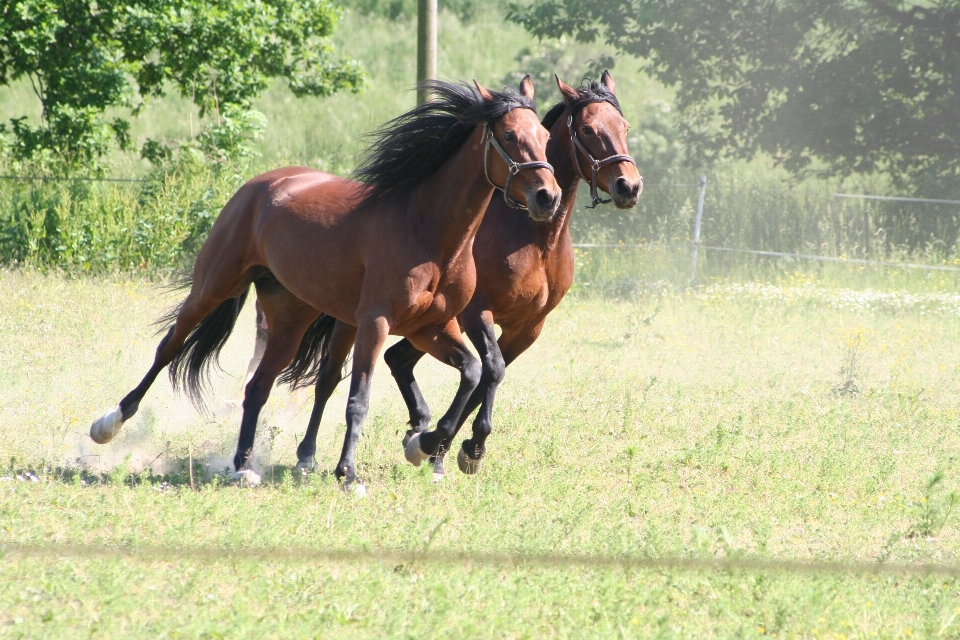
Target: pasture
point(801, 418)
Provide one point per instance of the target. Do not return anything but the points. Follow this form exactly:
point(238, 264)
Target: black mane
point(413, 146)
point(590, 91)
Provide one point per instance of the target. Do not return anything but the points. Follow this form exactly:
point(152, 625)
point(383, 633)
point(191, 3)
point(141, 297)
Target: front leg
point(371, 335)
point(402, 358)
point(448, 347)
point(482, 334)
point(513, 341)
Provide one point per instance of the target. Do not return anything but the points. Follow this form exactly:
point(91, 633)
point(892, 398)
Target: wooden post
point(426, 45)
point(696, 229)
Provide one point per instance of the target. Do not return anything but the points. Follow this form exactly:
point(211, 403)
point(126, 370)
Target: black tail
point(190, 368)
point(305, 368)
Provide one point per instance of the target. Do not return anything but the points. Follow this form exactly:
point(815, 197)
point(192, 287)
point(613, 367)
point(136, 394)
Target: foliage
point(465, 10)
point(153, 227)
point(84, 57)
point(861, 85)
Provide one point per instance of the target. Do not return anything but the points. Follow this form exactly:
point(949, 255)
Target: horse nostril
point(626, 190)
point(544, 199)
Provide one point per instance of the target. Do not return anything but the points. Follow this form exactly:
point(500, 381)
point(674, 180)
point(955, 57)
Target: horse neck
point(559, 155)
point(453, 200)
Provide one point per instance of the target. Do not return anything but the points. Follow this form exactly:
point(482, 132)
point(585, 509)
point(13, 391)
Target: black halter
point(596, 165)
point(513, 168)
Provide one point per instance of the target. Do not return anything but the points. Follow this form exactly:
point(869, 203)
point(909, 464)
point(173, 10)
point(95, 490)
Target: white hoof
point(106, 426)
point(359, 489)
point(414, 453)
point(467, 464)
point(438, 477)
point(307, 465)
point(247, 477)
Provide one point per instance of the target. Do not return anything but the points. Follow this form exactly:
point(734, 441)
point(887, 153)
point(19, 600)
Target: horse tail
point(304, 370)
point(190, 368)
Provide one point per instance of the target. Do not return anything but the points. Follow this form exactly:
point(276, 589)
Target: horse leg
point(341, 341)
point(260, 343)
point(448, 347)
point(371, 334)
point(402, 358)
point(194, 309)
point(510, 345)
point(288, 319)
point(480, 330)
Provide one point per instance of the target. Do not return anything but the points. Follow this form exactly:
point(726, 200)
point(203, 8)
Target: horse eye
point(587, 130)
point(508, 136)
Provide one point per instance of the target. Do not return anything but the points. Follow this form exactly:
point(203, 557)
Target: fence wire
point(438, 557)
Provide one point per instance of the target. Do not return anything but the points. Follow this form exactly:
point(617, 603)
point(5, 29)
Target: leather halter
point(596, 165)
point(513, 168)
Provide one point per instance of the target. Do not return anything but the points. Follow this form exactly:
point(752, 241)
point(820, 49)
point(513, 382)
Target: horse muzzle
point(543, 204)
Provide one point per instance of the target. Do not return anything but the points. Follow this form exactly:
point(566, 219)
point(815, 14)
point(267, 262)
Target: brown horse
point(524, 268)
point(389, 254)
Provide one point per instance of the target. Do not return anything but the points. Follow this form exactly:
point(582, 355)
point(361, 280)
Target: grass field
point(791, 421)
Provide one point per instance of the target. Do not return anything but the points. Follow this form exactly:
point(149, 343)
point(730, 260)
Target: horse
point(388, 254)
point(524, 269)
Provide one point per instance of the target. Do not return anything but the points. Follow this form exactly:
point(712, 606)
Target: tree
point(85, 56)
point(859, 85)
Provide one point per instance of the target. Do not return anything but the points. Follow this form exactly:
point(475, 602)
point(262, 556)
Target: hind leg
point(402, 358)
point(193, 310)
point(288, 319)
point(341, 341)
point(259, 345)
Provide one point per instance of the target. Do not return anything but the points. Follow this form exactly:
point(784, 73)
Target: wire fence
point(440, 557)
point(729, 226)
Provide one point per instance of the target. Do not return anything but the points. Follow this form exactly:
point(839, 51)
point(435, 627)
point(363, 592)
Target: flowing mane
point(413, 146)
point(590, 91)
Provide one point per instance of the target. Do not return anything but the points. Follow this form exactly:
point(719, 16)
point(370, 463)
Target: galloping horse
point(524, 268)
point(389, 254)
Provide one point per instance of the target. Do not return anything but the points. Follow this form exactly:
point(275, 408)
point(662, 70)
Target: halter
point(513, 168)
point(596, 165)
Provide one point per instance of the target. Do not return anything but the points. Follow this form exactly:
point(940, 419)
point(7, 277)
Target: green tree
point(858, 85)
point(85, 56)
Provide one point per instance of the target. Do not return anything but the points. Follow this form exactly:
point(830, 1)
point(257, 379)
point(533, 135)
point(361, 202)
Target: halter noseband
point(596, 165)
point(513, 168)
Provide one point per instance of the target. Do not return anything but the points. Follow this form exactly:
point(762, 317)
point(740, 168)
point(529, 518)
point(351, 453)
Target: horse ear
point(484, 92)
point(526, 86)
point(607, 80)
point(569, 93)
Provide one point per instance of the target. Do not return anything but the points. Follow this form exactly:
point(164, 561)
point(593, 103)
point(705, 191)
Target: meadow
point(773, 451)
point(794, 419)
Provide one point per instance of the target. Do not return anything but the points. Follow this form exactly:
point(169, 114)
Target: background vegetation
point(155, 226)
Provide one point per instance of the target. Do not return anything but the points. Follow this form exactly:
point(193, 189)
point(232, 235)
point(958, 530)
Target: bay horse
point(524, 269)
point(388, 254)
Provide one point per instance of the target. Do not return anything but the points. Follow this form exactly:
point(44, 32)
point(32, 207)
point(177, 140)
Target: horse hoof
point(358, 489)
point(413, 452)
point(406, 438)
point(247, 478)
point(438, 477)
point(467, 464)
point(306, 465)
point(106, 426)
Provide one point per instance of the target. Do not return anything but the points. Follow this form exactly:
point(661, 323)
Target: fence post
point(426, 45)
point(696, 229)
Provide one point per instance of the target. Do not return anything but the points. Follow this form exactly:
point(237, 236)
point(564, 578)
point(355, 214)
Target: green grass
point(705, 423)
